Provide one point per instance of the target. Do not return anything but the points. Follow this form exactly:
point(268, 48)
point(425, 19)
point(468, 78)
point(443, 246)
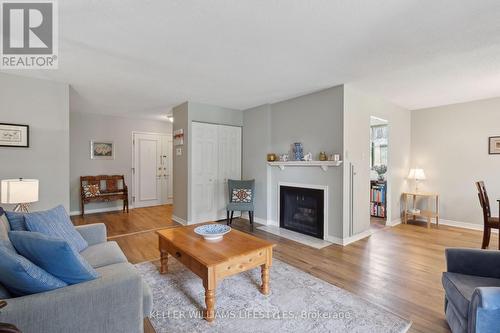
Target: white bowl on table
point(212, 232)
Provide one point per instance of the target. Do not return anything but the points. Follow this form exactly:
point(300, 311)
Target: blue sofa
point(117, 301)
point(472, 288)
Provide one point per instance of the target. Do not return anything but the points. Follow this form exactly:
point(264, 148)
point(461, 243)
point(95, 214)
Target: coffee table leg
point(210, 303)
point(163, 262)
point(264, 288)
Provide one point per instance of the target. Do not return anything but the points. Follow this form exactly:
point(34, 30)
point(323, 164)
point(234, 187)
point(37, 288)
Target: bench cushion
point(460, 287)
point(103, 254)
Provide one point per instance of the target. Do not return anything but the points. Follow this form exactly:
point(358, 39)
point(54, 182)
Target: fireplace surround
point(302, 209)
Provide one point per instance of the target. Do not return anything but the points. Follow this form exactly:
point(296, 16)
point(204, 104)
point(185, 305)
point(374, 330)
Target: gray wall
point(184, 115)
point(256, 145)
point(358, 107)
point(180, 164)
point(316, 120)
point(85, 127)
point(451, 144)
point(44, 106)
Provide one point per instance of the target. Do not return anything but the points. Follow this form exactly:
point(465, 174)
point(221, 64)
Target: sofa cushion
point(4, 229)
point(4, 293)
point(103, 254)
point(147, 295)
point(56, 223)
point(16, 221)
point(460, 287)
point(21, 277)
point(54, 255)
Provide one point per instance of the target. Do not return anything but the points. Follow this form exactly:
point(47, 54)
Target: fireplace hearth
point(302, 210)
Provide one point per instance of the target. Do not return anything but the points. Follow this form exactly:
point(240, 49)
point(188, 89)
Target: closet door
point(204, 172)
point(229, 164)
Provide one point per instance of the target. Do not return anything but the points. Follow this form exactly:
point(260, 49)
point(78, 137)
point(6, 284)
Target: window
point(379, 137)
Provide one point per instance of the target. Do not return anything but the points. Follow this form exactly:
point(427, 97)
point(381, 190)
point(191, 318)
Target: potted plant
point(381, 170)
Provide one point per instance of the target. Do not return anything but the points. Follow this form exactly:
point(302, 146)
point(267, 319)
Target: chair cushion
point(21, 277)
point(16, 221)
point(103, 254)
point(460, 287)
point(54, 255)
point(241, 195)
point(56, 223)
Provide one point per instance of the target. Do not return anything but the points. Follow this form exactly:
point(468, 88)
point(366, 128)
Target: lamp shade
point(417, 174)
point(16, 191)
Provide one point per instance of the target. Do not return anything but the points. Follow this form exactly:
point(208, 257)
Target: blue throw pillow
point(16, 220)
point(53, 255)
point(56, 223)
point(21, 277)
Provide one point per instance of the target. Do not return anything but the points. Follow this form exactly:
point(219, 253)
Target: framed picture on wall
point(14, 135)
point(494, 145)
point(102, 150)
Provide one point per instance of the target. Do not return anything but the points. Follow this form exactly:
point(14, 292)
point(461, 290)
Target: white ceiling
point(143, 57)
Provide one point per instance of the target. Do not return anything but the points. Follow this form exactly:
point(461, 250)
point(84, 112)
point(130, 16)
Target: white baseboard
point(259, 220)
point(460, 224)
point(394, 223)
point(179, 220)
point(349, 240)
point(98, 210)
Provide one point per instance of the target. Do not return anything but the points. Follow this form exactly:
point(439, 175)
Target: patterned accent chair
point(241, 198)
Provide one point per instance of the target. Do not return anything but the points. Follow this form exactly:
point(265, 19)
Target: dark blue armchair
point(241, 198)
point(472, 290)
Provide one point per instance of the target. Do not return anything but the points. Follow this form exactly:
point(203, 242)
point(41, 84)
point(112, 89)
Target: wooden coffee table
point(212, 261)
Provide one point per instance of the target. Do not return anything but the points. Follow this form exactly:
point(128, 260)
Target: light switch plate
point(178, 151)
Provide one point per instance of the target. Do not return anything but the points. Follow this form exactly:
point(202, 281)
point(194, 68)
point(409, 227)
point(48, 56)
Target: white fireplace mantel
point(324, 165)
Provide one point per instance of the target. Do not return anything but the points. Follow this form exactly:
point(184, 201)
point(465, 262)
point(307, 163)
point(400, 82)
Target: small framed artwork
point(14, 135)
point(102, 150)
point(494, 145)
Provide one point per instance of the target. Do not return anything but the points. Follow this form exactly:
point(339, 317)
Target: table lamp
point(416, 174)
point(20, 192)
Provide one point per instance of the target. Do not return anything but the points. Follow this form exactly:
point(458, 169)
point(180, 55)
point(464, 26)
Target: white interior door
point(204, 172)
point(229, 164)
point(150, 170)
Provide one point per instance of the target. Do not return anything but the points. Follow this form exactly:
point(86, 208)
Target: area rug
point(298, 302)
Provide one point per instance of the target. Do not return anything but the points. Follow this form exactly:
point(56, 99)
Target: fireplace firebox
point(301, 210)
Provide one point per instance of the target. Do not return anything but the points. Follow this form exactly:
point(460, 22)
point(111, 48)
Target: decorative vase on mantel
point(298, 151)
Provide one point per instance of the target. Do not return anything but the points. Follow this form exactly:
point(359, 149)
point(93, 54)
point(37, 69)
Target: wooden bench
point(103, 188)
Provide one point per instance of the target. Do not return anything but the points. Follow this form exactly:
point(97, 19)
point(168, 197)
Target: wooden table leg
point(210, 284)
point(163, 262)
point(428, 222)
point(264, 288)
point(210, 304)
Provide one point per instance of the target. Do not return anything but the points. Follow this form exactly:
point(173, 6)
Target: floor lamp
point(20, 192)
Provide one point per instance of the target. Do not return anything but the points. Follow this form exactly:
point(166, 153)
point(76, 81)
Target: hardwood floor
point(397, 267)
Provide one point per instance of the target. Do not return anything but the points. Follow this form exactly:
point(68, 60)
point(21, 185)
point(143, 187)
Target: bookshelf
point(378, 198)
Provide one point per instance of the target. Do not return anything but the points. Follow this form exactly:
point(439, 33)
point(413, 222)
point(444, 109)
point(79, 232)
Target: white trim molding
point(179, 220)
point(348, 240)
point(311, 186)
point(394, 222)
point(98, 210)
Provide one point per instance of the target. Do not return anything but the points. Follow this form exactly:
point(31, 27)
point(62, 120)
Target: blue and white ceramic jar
point(298, 151)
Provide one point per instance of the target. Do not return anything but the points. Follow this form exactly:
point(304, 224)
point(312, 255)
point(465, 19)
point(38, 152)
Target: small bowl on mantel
point(212, 232)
